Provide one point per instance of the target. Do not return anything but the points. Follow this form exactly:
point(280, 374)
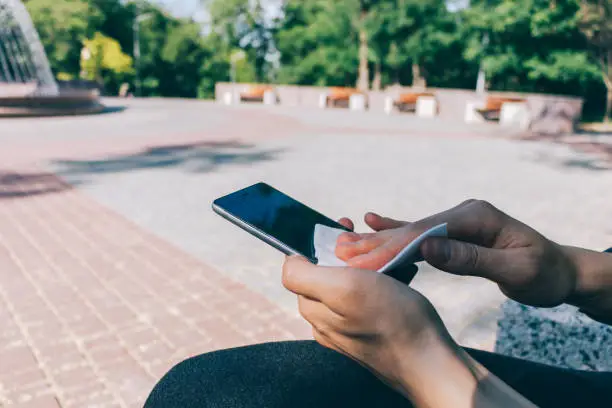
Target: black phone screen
point(277, 215)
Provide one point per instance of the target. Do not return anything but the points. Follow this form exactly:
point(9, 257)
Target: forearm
point(454, 379)
point(593, 293)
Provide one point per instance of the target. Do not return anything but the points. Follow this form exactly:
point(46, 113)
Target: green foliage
point(417, 32)
point(104, 55)
point(242, 24)
point(534, 45)
point(63, 25)
point(64, 76)
point(245, 71)
point(201, 63)
point(563, 66)
point(560, 46)
point(595, 22)
point(317, 41)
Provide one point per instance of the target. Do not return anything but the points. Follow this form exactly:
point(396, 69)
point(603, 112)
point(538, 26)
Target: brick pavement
point(94, 309)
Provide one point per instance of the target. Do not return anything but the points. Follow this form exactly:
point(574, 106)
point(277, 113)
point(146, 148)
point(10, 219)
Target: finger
point(318, 315)
point(326, 341)
point(323, 284)
point(473, 221)
point(348, 237)
point(379, 223)
point(350, 247)
point(342, 290)
point(330, 342)
point(322, 339)
point(462, 258)
point(374, 259)
point(346, 222)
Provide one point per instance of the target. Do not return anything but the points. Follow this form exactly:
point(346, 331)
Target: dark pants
point(303, 374)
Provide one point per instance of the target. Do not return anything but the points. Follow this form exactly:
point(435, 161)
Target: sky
point(180, 8)
point(190, 8)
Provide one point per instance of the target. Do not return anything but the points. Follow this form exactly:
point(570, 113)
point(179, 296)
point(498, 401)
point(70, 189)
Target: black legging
point(303, 374)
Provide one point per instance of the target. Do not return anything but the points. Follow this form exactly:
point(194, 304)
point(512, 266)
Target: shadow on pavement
point(19, 185)
point(194, 157)
point(112, 109)
point(593, 150)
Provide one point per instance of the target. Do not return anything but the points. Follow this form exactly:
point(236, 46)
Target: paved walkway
point(105, 283)
point(95, 310)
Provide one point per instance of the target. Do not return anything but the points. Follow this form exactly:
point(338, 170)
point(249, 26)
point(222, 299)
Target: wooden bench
point(339, 97)
point(407, 102)
point(493, 106)
point(255, 93)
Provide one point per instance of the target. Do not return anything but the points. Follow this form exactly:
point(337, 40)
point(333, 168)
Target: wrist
point(593, 289)
point(443, 375)
point(454, 379)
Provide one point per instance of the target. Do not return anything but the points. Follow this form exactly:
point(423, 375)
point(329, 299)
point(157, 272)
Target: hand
point(483, 241)
point(381, 323)
point(404, 274)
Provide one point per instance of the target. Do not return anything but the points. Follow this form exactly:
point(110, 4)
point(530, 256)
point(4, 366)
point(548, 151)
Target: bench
point(340, 97)
point(493, 107)
point(407, 102)
point(424, 104)
point(257, 94)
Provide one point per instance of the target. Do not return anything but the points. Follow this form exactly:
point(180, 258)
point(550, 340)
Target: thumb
point(462, 258)
point(379, 223)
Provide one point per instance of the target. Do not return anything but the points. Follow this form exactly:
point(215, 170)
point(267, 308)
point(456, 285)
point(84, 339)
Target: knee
point(177, 387)
point(225, 378)
point(272, 375)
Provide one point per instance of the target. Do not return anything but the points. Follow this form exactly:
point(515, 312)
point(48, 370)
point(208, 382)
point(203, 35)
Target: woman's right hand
point(482, 241)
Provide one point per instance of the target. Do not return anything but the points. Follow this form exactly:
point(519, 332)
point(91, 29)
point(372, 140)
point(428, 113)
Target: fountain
point(27, 85)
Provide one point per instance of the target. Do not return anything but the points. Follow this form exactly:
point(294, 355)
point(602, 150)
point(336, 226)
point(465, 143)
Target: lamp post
point(138, 18)
point(481, 82)
point(236, 57)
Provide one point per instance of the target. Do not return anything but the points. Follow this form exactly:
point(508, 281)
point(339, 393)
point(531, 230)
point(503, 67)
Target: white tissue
point(411, 254)
point(325, 239)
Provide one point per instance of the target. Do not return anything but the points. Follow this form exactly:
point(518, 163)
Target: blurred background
point(181, 48)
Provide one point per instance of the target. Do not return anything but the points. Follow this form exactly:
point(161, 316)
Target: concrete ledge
point(548, 114)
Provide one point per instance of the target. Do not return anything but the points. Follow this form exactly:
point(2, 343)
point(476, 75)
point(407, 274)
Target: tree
point(215, 67)
point(414, 34)
point(595, 22)
point(317, 42)
point(534, 45)
point(102, 58)
point(360, 20)
point(243, 25)
point(194, 67)
point(63, 25)
point(177, 60)
point(560, 46)
point(117, 20)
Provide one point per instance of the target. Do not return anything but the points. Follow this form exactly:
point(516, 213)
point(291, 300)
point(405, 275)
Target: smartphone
point(275, 218)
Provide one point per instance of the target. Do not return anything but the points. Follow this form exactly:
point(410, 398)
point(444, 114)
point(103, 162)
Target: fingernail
point(348, 237)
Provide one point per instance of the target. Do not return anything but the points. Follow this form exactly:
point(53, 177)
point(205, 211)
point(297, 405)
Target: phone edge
point(268, 239)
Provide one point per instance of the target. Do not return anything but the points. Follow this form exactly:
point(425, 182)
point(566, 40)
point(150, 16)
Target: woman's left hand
point(381, 323)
